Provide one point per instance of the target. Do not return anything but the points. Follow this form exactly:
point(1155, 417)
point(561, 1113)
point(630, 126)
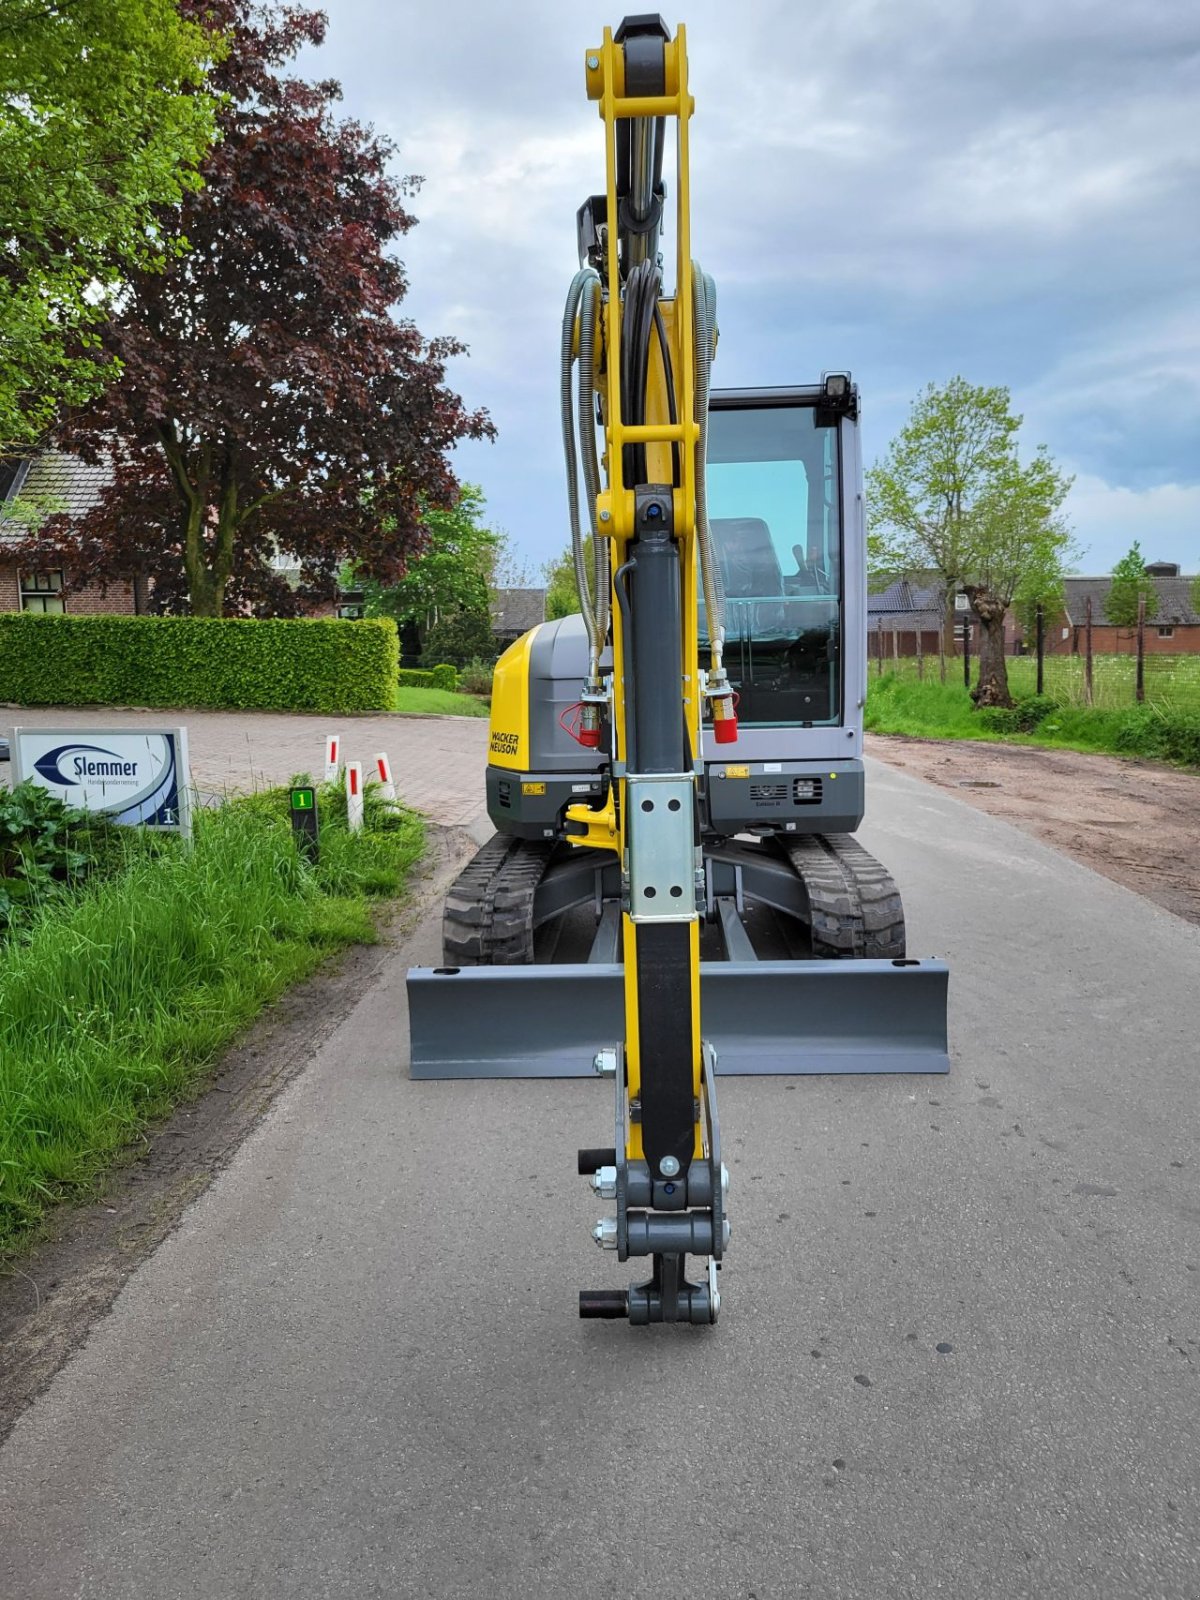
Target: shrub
point(459, 638)
point(1026, 714)
point(225, 663)
point(439, 677)
point(476, 677)
point(46, 847)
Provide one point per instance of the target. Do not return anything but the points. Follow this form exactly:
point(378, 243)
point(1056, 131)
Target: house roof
point(59, 483)
point(1174, 601)
point(906, 606)
point(515, 611)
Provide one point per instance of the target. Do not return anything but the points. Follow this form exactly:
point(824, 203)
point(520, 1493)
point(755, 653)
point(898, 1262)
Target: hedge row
point(269, 664)
point(440, 677)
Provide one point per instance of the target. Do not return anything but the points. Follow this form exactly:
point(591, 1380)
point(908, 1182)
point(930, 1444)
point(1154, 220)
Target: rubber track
point(487, 918)
point(855, 907)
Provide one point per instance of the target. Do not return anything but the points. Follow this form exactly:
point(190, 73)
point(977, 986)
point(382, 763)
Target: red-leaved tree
point(271, 403)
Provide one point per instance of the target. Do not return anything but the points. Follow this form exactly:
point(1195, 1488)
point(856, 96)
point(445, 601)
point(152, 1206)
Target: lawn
point(438, 703)
point(115, 997)
point(1165, 728)
point(1171, 681)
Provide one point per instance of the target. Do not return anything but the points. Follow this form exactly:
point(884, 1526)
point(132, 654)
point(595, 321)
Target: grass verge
point(929, 709)
point(438, 703)
point(113, 1004)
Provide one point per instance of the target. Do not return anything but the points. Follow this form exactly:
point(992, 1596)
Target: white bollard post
point(354, 795)
point(333, 757)
point(383, 771)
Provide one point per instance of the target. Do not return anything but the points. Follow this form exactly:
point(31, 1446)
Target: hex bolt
point(593, 63)
point(605, 1233)
point(669, 1167)
point(606, 516)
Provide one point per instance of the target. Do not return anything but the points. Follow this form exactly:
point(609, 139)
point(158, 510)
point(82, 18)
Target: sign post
point(138, 776)
point(303, 805)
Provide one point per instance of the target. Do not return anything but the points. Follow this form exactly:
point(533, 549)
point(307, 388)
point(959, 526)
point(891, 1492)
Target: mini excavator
point(675, 773)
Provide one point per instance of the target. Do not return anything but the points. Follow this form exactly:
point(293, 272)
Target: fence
point(1085, 678)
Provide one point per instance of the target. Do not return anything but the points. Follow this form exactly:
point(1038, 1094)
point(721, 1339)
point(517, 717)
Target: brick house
point(1173, 630)
point(62, 484)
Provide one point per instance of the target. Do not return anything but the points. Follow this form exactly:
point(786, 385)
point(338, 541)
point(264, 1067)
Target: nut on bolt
point(604, 1182)
point(605, 1233)
point(604, 1063)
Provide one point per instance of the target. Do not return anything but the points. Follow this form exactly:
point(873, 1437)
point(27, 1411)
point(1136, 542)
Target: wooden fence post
point(920, 656)
point(1041, 650)
point(1141, 649)
point(1087, 660)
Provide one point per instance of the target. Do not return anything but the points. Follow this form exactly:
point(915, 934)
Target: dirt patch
point(1134, 821)
point(51, 1296)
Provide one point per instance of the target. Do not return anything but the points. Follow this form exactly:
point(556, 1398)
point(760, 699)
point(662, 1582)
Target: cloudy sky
point(906, 188)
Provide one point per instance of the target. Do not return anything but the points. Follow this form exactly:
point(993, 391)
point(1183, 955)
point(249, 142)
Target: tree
point(270, 402)
point(562, 593)
point(1195, 594)
point(1130, 581)
point(951, 495)
point(103, 121)
point(512, 568)
point(452, 571)
point(460, 637)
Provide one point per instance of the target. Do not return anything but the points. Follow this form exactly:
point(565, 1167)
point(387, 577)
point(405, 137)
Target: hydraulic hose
point(581, 290)
point(704, 339)
point(589, 310)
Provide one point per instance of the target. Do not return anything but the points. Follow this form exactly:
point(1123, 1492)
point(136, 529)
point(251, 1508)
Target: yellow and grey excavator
point(676, 772)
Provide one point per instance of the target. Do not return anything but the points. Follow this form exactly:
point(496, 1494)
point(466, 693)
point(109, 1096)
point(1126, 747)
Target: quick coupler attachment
point(665, 1218)
point(666, 1297)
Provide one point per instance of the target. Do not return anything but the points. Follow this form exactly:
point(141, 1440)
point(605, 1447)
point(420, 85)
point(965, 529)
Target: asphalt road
point(959, 1352)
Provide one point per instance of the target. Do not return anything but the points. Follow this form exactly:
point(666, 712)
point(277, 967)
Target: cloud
point(910, 189)
point(1108, 518)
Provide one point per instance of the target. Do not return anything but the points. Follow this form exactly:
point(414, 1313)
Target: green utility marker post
point(304, 821)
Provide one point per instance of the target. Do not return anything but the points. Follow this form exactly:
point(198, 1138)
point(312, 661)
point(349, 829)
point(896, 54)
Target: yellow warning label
point(533, 788)
point(736, 772)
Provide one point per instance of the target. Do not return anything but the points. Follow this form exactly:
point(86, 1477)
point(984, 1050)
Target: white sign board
point(129, 775)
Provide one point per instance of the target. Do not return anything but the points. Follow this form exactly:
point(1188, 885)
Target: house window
point(1166, 633)
point(42, 591)
point(960, 602)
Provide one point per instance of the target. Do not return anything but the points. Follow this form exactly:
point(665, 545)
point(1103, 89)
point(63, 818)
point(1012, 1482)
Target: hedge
point(439, 677)
point(227, 663)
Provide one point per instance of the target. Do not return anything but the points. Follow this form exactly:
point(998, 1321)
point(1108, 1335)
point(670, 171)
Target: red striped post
point(383, 773)
point(354, 795)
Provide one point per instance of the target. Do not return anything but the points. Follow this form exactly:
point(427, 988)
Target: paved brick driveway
point(438, 762)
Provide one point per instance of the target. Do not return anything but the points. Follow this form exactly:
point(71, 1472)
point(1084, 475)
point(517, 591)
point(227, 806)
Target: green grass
point(438, 703)
point(1163, 730)
point(113, 1004)
point(1171, 681)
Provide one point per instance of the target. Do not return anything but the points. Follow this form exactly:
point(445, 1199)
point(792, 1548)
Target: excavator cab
point(784, 474)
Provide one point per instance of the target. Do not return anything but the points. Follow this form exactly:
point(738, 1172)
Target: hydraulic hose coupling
point(591, 702)
point(724, 712)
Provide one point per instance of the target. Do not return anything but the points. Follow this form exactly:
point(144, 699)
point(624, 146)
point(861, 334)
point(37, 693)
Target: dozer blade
point(763, 1017)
